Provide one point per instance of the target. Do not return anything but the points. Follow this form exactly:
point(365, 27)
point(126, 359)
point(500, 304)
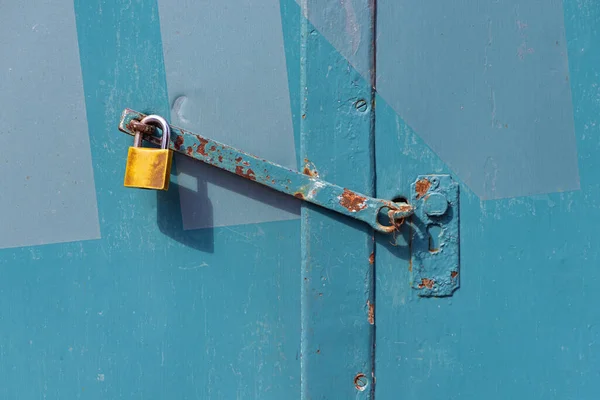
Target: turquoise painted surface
point(492, 75)
point(337, 277)
point(149, 310)
point(524, 323)
point(154, 311)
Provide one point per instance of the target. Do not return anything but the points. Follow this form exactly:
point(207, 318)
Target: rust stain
point(426, 283)
point(178, 143)
point(352, 201)
point(421, 187)
point(238, 159)
point(202, 147)
point(310, 169)
point(189, 150)
point(410, 260)
point(405, 208)
point(213, 148)
point(220, 158)
point(249, 174)
point(246, 163)
point(372, 258)
point(137, 126)
point(371, 314)
point(453, 274)
point(298, 195)
point(310, 172)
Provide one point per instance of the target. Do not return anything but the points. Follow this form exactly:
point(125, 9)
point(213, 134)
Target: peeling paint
point(426, 283)
point(421, 187)
point(202, 146)
point(249, 174)
point(352, 201)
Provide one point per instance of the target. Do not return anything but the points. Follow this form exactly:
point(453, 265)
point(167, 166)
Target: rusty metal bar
point(300, 185)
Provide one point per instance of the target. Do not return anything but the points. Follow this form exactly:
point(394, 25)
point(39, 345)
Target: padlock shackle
point(161, 123)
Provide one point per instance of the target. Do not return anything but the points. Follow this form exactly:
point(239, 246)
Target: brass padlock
point(149, 168)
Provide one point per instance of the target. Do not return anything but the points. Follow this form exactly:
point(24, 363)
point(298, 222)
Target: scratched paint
point(234, 88)
point(42, 109)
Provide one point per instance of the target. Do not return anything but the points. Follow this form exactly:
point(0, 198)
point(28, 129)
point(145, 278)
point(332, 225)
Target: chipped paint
point(352, 201)
point(178, 142)
point(421, 187)
point(202, 146)
point(371, 312)
point(249, 174)
point(426, 283)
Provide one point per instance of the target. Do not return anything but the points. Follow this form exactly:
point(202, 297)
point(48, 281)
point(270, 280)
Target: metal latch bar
point(305, 187)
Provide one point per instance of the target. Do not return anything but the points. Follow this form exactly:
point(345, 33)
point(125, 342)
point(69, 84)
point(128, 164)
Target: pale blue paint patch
point(227, 80)
point(486, 85)
point(342, 23)
point(48, 193)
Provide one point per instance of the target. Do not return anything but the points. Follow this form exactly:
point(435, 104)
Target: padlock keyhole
point(435, 238)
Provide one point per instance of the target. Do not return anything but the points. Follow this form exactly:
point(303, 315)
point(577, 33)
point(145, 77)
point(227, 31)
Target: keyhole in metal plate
point(435, 233)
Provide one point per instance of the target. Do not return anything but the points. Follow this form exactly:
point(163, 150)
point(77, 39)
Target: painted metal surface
point(304, 185)
point(149, 310)
point(524, 323)
point(322, 307)
point(434, 244)
point(338, 310)
point(493, 75)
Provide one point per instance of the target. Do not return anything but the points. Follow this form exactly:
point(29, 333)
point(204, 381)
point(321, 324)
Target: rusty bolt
point(361, 105)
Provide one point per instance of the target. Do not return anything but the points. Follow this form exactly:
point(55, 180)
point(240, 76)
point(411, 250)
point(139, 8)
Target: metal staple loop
point(144, 129)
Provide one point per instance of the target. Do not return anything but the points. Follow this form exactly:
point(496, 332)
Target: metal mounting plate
point(435, 252)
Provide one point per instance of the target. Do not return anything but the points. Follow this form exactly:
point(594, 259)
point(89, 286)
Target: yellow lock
point(149, 168)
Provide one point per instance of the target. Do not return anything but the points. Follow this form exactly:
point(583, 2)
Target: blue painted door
point(219, 289)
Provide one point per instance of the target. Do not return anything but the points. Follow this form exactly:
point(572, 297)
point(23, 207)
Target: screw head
point(361, 105)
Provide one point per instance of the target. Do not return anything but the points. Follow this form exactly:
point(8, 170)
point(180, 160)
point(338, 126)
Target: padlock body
point(148, 168)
